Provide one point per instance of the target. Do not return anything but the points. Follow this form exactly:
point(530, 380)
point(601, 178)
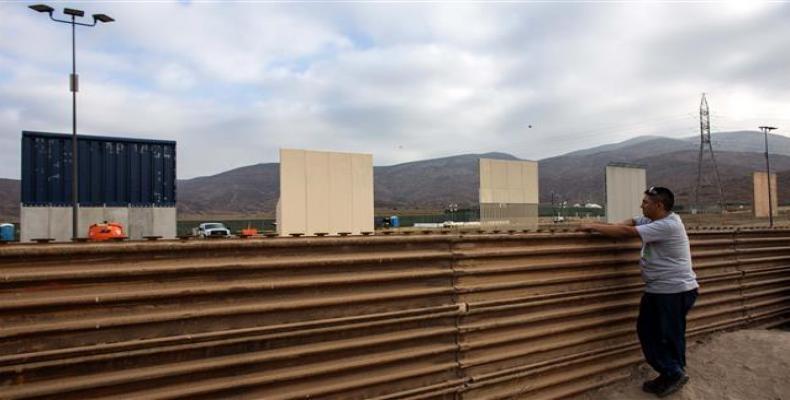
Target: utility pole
point(704, 132)
point(74, 88)
point(765, 130)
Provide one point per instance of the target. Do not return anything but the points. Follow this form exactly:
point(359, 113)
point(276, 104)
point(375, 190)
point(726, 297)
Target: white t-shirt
point(666, 255)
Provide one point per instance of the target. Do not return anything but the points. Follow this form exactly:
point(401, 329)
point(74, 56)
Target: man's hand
point(585, 228)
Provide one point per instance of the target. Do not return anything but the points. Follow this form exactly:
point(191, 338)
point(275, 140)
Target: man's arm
point(611, 230)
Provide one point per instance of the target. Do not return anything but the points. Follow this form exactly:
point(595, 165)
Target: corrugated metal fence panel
point(541, 307)
point(270, 319)
point(112, 171)
point(720, 304)
point(764, 261)
point(454, 316)
point(549, 315)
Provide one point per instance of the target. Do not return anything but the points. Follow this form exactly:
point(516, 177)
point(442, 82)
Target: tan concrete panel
point(530, 181)
point(486, 193)
point(341, 186)
point(501, 195)
point(515, 176)
point(325, 192)
point(516, 196)
point(504, 181)
point(362, 205)
point(499, 175)
point(509, 193)
point(761, 194)
point(293, 192)
point(625, 186)
point(317, 192)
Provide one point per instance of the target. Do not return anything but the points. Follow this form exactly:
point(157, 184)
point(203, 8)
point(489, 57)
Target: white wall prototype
point(325, 192)
point(509, 193)
point(55, 222)
point(625, 187)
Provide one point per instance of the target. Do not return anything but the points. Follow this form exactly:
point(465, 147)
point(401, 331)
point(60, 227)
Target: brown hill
point(252, 189)
point(581, 179)
point(9, 200)
point(433, 184)
point(579, 176)
point(430, 184)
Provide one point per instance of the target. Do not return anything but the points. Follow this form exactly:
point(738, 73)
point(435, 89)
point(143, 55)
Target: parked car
point(211, 229)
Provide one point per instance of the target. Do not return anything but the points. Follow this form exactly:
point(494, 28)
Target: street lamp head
point(42, 8)
point(102, 18)
point(73, 12)
point(768, 128)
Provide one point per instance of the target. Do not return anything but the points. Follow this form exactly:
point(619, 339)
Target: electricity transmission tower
point(705, 144)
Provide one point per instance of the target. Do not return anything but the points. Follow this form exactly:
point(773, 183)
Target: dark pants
point(661, 327)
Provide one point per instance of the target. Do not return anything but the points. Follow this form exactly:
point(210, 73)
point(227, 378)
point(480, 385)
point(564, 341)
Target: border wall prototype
point(125, 180)
point(325, 192)
point(625, 187)
point(509, 193)
point(485, 316)
point(760, 203)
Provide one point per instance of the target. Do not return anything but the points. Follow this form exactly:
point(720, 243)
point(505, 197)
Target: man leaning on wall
point(670, 286)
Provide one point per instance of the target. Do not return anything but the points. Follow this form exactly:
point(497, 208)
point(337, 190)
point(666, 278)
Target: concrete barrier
point(55, 222)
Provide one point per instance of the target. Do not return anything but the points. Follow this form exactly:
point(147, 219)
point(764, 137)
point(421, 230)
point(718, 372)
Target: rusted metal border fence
point(484, 316)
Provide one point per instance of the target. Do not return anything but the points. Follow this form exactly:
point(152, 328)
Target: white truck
point(211, 229)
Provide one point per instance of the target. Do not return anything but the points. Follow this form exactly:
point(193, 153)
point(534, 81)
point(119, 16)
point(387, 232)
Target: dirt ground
point(739, 365)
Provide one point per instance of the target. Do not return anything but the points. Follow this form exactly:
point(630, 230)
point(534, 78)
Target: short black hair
point(662, 194)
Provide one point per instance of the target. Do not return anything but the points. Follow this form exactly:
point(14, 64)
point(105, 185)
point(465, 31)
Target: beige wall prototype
point(325, 192)
point(509, 193)
point(761, 194)
point(625, 187)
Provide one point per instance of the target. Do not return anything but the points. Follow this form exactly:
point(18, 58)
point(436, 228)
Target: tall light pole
point(765, 130)
point(74, 86)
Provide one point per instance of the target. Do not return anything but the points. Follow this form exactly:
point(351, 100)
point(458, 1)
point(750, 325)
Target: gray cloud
point(404, 81)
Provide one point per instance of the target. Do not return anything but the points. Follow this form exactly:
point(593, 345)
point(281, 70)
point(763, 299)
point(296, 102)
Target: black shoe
point(672, 385)
point(653, 386)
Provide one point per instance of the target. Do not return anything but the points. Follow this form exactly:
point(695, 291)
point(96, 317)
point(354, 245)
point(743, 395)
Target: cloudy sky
point(233, 83)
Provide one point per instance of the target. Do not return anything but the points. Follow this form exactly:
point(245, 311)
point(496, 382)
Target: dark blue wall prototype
point(112, 171)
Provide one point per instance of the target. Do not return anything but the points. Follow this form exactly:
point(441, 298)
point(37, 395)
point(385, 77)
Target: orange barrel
point(249, 232)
